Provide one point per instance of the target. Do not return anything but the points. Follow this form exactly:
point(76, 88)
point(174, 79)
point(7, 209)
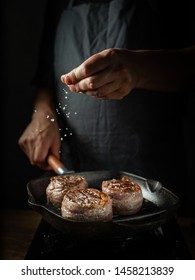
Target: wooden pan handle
point(57, 166)
point(54, 162)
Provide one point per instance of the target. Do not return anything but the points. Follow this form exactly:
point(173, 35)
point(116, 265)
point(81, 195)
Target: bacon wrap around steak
point(86, 204)
point(127, 197)
point(59, 185)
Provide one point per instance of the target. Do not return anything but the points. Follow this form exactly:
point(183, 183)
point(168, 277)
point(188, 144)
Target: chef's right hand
point(110, 75)
point(40, 138)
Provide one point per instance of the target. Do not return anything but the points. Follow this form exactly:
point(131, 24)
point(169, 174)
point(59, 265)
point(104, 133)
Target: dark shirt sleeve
point(44, 74)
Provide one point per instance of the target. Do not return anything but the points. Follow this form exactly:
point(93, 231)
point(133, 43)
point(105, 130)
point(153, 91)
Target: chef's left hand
point(105, 75)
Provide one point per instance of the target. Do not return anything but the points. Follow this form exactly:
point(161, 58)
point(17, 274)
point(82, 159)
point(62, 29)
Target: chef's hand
point(40, 138)
point(105, 75)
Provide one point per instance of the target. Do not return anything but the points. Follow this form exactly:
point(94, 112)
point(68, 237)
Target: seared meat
point(59, 185)
point(86, 204)
point(127, 197)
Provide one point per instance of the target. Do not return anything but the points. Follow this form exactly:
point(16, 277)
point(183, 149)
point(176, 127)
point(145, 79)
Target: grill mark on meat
point(66, 180)
point(127, 197)
point(88, 198)
point(86, 204)
point(123, 185)
point(59, 185)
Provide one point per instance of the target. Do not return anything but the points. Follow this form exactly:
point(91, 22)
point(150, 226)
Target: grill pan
point(159, 206)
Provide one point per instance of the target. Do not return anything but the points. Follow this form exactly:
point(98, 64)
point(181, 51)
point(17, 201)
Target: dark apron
point(139, 134)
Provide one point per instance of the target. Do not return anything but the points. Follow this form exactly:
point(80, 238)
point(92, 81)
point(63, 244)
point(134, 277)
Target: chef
point(100, 103)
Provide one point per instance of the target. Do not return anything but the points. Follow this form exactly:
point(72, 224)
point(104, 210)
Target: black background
point(22, 23)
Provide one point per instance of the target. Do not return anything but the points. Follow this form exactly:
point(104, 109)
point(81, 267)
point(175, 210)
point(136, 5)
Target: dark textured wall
point(22, 26)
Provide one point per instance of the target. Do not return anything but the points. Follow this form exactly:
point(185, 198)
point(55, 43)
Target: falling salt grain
point(35, 111)
point(61, 138)
point(52, 120)
point(65, 91)
point(47, 117)
point(58, 112)
point(68, 114)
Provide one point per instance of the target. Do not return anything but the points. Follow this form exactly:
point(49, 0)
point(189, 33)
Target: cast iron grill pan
point(159, 206)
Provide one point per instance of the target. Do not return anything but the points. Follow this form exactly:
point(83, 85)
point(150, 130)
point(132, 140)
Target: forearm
point(42, 136)
point(44, 103)
point(114, 73)
point(164, 70)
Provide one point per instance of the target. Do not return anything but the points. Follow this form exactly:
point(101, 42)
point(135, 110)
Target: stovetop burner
point(165, 242)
